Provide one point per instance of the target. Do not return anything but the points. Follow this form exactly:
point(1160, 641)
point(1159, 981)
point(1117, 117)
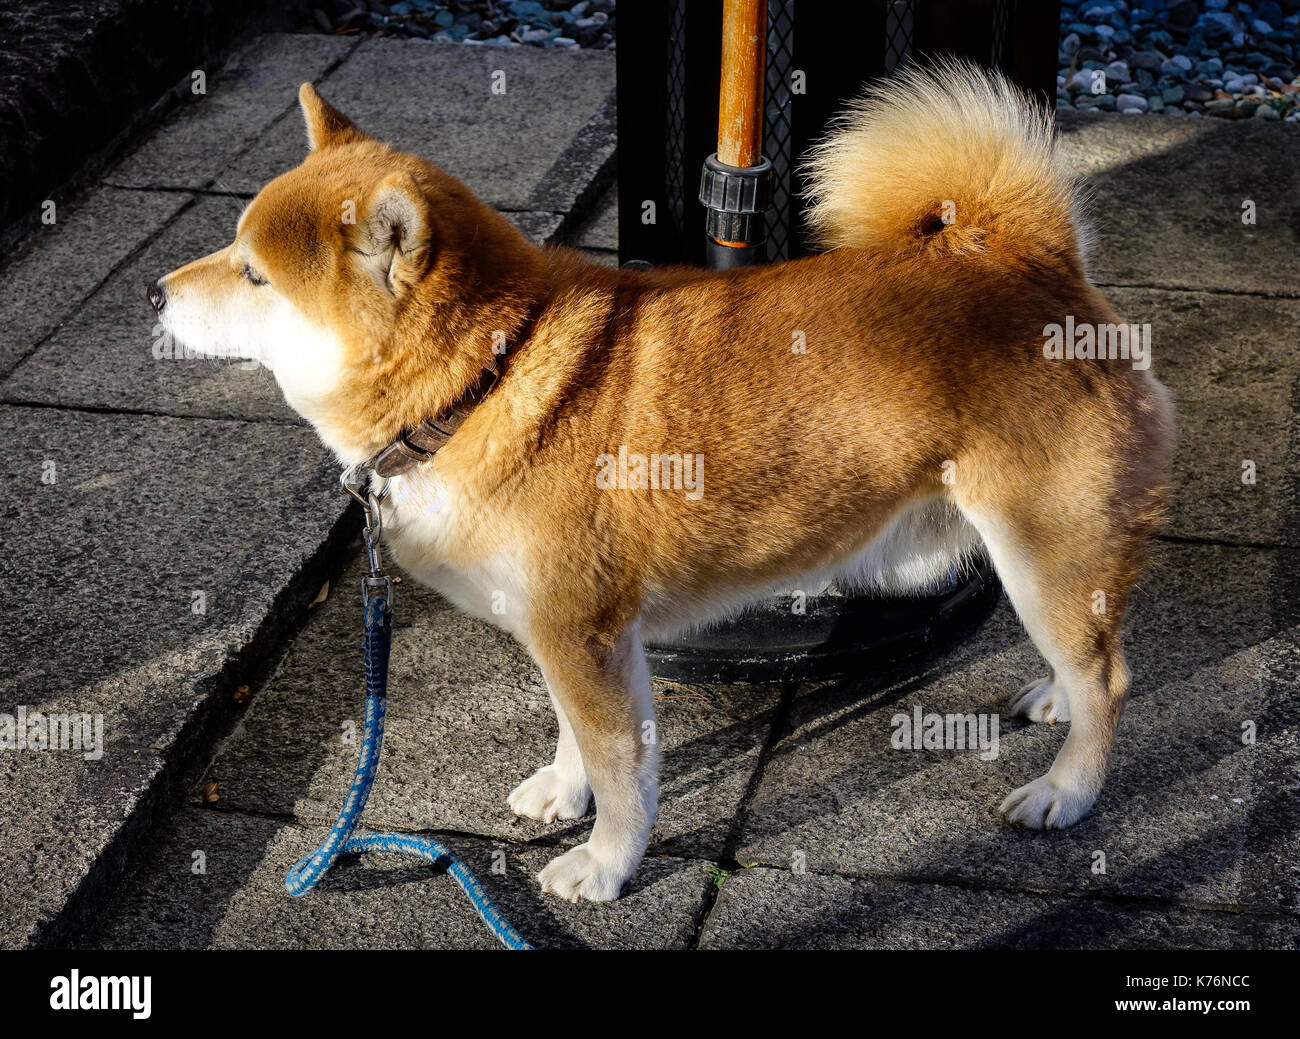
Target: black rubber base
point(726, 257)
point(836, 635)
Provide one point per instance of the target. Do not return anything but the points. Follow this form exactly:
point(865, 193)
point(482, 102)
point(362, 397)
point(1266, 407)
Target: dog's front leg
point(603, 690)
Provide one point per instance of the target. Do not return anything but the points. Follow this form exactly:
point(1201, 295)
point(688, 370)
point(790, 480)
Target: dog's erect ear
point(396, 233)
point(326, 125)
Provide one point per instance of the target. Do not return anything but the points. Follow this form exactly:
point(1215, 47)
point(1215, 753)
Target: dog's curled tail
point(949, 159)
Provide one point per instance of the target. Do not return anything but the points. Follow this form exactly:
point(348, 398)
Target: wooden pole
point(740, 100)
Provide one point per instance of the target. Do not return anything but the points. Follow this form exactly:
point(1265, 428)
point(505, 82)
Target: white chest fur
point(424, 529)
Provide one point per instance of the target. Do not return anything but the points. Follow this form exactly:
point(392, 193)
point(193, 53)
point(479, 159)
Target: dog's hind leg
point(1067, 569)
point(603, 688)
point(1052, 587)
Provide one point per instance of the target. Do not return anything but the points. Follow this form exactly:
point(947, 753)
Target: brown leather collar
point(421, 442)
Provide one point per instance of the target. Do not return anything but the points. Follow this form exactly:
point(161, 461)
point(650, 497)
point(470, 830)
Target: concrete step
point(79, 76)
point(169, 520)
point(150, 570)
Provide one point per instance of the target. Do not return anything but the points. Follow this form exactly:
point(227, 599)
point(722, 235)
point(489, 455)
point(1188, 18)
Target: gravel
point(486, 23)
point(1179, 57)
point(1171, 57)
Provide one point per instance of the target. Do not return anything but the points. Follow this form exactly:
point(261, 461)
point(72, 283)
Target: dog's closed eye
point(252, 275)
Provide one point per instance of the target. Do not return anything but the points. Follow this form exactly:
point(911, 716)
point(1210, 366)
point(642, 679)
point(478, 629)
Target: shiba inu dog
point(620, 453)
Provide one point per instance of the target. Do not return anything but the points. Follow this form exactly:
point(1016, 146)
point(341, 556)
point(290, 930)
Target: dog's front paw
point(1042, 805)
point(581, 873)
point(548, 794)
point(1042, 700)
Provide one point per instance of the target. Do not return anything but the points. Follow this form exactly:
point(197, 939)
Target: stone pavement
point(79, 77)
point(156, 564)
point(787, 818)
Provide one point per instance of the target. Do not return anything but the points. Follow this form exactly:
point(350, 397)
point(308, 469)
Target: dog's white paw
point(549, 794)
point(581, 873)
point(1042, 700)
point(1042, 805)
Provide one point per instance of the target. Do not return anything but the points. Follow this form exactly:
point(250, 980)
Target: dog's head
point(368, 281)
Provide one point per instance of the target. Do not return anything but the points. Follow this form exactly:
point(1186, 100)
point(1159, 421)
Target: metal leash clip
point(356, 481)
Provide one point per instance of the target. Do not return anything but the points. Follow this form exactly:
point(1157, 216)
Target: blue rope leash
point(342, 839)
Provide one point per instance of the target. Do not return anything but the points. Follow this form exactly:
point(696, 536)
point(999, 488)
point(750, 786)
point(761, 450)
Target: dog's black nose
point(157, 296)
